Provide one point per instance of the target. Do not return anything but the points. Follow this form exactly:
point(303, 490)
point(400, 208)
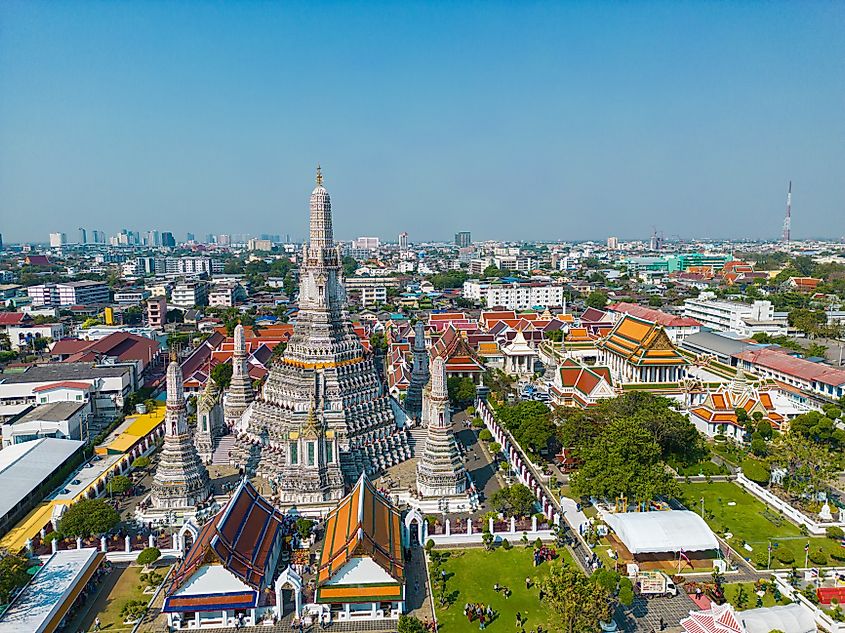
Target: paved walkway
point(416, 586)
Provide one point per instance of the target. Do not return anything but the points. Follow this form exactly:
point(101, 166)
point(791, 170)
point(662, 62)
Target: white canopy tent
point(792, 618)
point(659, 532)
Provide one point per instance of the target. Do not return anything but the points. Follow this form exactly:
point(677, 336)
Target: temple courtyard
point(471, 575)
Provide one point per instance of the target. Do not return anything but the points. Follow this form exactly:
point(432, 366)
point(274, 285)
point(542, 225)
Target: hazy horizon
point(571, 121)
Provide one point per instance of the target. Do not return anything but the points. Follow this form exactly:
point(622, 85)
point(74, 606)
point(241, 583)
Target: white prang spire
point(176, 421)
point(321, 234)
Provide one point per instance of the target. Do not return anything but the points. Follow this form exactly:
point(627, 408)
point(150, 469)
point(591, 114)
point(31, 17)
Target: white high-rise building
point(58, 240)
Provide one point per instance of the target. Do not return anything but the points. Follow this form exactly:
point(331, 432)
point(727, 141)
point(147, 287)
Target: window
point(329, 456)
point(294, 454)
point(310, 453)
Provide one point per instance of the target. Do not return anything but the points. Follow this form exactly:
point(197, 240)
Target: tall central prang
point(325, 378)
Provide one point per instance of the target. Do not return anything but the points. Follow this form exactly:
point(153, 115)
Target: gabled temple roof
point(364, 524)
point(240, 537)
point(641, 342)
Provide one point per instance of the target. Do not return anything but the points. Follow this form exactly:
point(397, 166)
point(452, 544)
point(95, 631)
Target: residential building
point(226, 295)
point(403, 241)
point(613, 243)
point(66, 420)
point(370, 291)
point(69, 293)
point(130, 296)
point(157, 312)
point(57, 240)
point(463, 239)
point(518, 263)
point(188, 294)
point(366, 243)
point(733, 316)
point(259, 245)
point(515, 295)
point(814, 378)
point(22, 336)
point(109, 386)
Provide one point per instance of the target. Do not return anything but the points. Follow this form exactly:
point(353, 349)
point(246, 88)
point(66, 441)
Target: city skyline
point(579, 121)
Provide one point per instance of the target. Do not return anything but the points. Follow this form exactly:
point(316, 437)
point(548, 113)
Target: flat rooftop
point(24, 466)
point(50, 412)
point(54, 372)
point(41, 606)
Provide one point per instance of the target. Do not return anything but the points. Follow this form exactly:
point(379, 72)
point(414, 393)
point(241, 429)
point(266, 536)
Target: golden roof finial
point(174, 355)
point(319, 176)
point(311, 429)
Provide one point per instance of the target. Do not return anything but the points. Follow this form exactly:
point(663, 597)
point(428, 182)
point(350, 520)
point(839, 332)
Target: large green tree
point(513, 501)
point(222, 374)
point(88, 517)
point(576, 603)
point(624, 460)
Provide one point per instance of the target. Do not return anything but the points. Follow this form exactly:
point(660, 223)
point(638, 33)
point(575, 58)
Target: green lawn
point(704, 467)
point(751, 521)
point(732, 593)
point(477, 570)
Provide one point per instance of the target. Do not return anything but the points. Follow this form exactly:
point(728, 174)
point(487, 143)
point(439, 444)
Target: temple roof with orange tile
point(363, 525)
point(641, 342)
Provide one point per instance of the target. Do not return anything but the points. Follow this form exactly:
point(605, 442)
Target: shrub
point(429, 545)
point(506, 544)
point(785, 556)
point(410, 624)
point(477, 423)
point(148, 556)
point(133, 609)
point(141, 462)
point(304, 527)
point(485, 435)
point(818, 557)
point(756, 471)
point(119, 484)
point(835, 532)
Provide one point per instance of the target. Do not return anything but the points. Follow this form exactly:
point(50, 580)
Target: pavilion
point(639, 351)
point(362, 567)
point(228, 573)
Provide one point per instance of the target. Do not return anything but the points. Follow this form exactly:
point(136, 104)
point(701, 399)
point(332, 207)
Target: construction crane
point(787, 221)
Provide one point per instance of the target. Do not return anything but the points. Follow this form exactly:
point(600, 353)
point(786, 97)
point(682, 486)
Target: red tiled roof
point(13, 318)
point(65, 384)
point(655, 316)
point(793, 366)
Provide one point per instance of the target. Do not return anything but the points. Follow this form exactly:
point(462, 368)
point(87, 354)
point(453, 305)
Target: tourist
point(496, 587)
point(527, 582)
point(97, 623)
point(518, 618)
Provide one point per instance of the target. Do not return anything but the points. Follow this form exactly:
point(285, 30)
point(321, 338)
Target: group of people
point(544, 553)
point(505, 590)
point(483, 613)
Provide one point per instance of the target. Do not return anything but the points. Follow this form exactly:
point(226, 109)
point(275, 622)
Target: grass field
point(477, 570)
point(732, 593)
point(751, 521)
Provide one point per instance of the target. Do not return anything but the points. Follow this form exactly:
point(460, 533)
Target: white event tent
point(660, 532)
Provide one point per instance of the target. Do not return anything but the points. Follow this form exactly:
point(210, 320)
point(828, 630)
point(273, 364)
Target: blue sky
point(568, 120)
